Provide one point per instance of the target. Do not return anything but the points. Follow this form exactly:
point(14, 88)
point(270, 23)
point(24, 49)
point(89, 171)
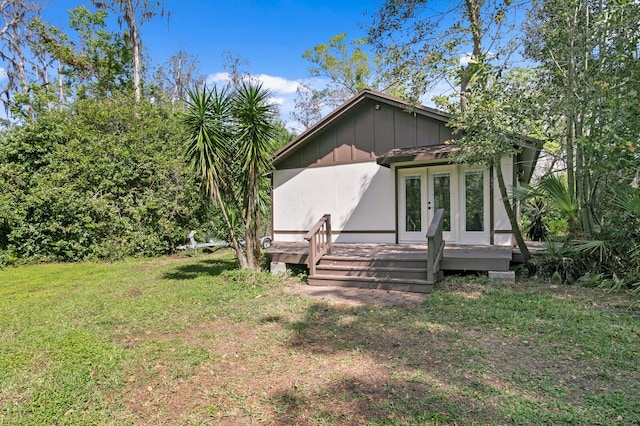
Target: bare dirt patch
point(359, 296)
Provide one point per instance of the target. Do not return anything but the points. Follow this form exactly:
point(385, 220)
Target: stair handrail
point(435, 246)
point(319, 238)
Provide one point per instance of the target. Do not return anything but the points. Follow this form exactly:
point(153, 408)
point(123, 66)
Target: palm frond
point(254, 117)
point(630, 202)
point(557, 193)
point(206, 135)
point(525, 192)
point(591, 247)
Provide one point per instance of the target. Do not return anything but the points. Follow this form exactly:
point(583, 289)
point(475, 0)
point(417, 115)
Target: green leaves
point(346, 65)
point(499, 116)
point(207, 135)
point(254, 118)
point(421, 43)
point(230, 138)
point(105, 180)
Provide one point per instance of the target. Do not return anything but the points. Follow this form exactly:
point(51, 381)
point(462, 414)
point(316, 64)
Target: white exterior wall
point(359, 197)
point(501, 220)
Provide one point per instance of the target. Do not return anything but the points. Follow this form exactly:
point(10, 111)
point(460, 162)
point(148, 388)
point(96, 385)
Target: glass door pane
point(413, 203)
point(442, 197)
point(474, 200)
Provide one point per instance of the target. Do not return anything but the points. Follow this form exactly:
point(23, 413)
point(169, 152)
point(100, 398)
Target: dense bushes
point(106, 179)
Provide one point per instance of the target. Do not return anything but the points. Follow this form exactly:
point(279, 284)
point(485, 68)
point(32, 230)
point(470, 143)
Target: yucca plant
point(229, 142)
point(254, 133)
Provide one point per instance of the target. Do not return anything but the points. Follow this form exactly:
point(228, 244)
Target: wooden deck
point(456, 257)
point(392, 266)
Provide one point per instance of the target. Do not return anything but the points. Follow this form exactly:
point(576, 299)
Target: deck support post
point(435, 247)
point(278, 268)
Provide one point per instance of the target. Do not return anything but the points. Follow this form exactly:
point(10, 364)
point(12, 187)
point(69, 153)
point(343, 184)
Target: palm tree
point(230, 140)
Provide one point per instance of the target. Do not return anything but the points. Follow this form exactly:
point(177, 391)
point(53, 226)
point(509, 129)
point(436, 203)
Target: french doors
point(460, 191)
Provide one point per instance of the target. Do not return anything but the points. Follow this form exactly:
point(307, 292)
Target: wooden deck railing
point(435, 247)
point(319, 238)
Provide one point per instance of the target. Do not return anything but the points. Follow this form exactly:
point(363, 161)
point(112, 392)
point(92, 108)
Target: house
point(382, 169)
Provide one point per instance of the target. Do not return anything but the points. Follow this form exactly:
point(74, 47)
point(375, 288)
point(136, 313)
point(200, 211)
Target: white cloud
point(219, 77)
point(3, 73)
point(278, 84)
point(465, 58)
point(276, 100)
point(283, 90)
point(274, 84)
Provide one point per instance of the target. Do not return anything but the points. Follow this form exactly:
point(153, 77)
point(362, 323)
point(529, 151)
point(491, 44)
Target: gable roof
point(374, 126)
point(342, 110)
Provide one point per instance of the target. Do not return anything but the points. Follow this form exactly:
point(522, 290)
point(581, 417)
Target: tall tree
point(345, 65)
point(230, 140)
point(94, 63)
point(134, 13)
point(15, 17)
point(422, 43)
point(178, 75)
point(588, 53)
point(255, 129)
point(421, 49)
point(308, 106)
point(347, 68)
point(234, 65)
point(500, 117)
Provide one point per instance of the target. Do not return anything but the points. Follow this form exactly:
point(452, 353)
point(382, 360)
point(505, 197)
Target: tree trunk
point(251, 231)
point(235, 244)
point(60, 91)
point(511, 214)
point(130, 18)
point(571, 180)
point(475, 21)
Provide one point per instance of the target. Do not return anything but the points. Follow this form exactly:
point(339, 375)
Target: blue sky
point(272, 35)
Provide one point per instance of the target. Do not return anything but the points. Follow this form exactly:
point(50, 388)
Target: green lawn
point(192, 341)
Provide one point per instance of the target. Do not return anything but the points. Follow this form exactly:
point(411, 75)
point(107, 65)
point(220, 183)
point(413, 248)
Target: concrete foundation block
point(506, 277)
point(278, 268)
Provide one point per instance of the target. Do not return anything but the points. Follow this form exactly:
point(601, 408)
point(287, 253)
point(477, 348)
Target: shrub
point(104, 180)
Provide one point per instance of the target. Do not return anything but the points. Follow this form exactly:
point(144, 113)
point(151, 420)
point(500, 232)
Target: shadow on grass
point(435, 366)
point(210, 267)
point(403, 378)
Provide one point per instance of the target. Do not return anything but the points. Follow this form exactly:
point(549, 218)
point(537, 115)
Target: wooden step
point(344, 269)
point(399, 284)
point(386, 262)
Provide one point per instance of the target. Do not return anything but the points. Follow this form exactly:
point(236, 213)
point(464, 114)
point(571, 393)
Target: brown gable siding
point(404, 129)
point(363, 132)
point(383, 128)
point(344, 139)
point(364, 147)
